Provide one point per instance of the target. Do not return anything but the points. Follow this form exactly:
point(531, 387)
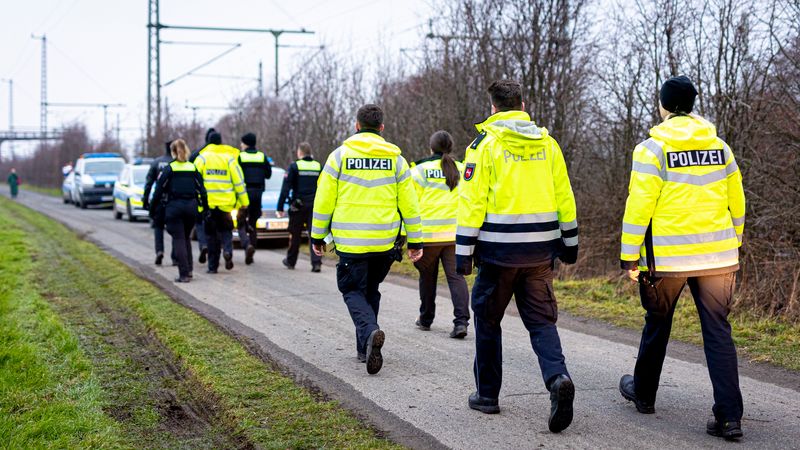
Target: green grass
point(49, 397)
point(53, 192)
point(252, 402)
point(762, 339)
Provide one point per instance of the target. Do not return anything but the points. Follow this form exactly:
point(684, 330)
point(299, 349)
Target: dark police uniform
point(256, 169)
point(180, 189)
point(300, 187)
point(157, 214)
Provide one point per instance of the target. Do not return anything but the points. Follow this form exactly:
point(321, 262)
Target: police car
point(66, 187)
point(128, 191)
point(269, 225)
point(95, 175)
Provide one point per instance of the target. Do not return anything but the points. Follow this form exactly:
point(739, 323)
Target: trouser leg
point(188, 224)
point(213, 241)
point(428, 267)
point(296, 220)
point(490, 296)
point(241, 228)
point(225, 230)
point(253, 213)
point(659, 302)
point(200, 231)
point(351, 279)
point(713, 295)
point(459, 293)
point(377, 269)
point(177, 231)
point(536, 302)
point(315, 260)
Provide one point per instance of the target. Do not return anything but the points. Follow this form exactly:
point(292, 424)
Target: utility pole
point(43, 92)
point(10, 107)
point(104, 106)
point(260, 80)
point(153, 72)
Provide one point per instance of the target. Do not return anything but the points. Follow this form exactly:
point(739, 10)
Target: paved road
point(427, 376)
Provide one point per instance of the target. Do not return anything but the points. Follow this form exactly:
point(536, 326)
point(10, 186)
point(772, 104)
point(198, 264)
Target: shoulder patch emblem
point(469, 171)
point(478, 140)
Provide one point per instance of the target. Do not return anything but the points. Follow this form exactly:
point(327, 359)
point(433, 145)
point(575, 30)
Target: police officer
point(256, 169)
point(516, 214)
point(157, 221)
point(683, 225)
point(300, 187)
point(212, 137)
point(436, 182)
point(224, 183)
point(180, 188)
point(364, 193)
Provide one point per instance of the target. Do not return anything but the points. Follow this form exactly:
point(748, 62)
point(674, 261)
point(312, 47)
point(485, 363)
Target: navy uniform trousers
point(712, 295)
point(180, 217)
point(358, 279)
point(532, 287)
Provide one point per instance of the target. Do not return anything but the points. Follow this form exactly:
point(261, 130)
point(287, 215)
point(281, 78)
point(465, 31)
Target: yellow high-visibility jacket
point(364, 192)
point(438, 205)
point(686, 201)
point(516, 206)
point(222, 177)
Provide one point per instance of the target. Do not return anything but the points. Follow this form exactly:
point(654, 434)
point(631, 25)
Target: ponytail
point(441, 142)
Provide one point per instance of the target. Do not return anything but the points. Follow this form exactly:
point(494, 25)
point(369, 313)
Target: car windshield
point(275, 181)
point(104, 166)
point(140, 175)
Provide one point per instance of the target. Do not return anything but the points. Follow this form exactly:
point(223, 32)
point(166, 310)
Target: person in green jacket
point(13, 183)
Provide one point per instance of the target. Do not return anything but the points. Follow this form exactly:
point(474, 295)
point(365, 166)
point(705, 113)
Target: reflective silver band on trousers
point(465, 250)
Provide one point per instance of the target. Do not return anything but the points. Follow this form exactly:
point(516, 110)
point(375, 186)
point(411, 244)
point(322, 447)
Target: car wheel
point(117, 214)
point(129, 210)
point(82, 202)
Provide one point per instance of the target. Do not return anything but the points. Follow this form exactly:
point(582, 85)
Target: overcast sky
point(97, 51)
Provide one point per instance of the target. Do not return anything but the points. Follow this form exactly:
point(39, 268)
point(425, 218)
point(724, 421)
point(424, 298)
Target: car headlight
point(87, 180)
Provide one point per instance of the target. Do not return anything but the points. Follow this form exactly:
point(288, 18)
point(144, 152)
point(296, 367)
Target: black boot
point(374, 357)
point(422, 327)
point(459, 332)
point(629, 393)
point(562, 393)
point(159, 258)
point(228, 261)
point(203, 255)
point(485, 405)
point(286, 264)
point(248, 254)
point(728, 430)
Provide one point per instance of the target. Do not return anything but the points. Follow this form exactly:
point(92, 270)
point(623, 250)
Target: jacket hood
point(515, 129)
point(372, 143)
point(686, 132)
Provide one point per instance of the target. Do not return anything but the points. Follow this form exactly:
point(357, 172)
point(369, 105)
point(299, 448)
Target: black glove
point(146, 204)
point(463, 265)
point(568, 255)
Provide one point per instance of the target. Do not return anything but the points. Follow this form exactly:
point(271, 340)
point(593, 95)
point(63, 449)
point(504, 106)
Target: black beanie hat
point(214, 138)
point(167, 148)
point(208, 134)
point(678, 94)
point(249, 140)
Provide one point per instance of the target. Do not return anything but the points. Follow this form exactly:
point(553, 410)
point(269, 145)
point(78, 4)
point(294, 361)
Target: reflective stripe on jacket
point(438, 205)
point(686, 188)
point(222, 177)
point(516, 205)
point(364, 189)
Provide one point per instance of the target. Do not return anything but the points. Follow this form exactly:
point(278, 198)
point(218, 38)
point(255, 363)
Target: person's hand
point(414, 254)
point(319, 249)
point(633, 274)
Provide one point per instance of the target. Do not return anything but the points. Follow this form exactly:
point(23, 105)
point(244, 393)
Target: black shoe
point(628, 392)
point(228, 261)
point(459, 332)
point(211, 272)
point(485, 405)
point(374, 357)
point(159, 258)
point(182, 279)
point(203, 255)
point(191, 274)
point(286, 264)
point(422, 327)
point(362, 357)
point(562, 393)
point(316, 268)
point(727, 430)
point(248, 254)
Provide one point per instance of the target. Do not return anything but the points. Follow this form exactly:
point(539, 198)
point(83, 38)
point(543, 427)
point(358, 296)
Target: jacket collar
point(502, 115)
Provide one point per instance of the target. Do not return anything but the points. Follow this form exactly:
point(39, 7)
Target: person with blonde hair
point(181, 188)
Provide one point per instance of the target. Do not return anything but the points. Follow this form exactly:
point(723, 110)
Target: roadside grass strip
point(49, 395)
point(171, 378)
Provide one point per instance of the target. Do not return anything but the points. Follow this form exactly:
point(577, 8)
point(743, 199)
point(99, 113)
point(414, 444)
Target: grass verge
point(616, 301)
point(167, 376)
